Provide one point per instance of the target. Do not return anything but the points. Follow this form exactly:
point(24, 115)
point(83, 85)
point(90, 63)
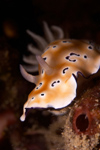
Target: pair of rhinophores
point(58, 64)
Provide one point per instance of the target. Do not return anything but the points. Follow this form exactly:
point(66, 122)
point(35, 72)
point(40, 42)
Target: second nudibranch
point(58, 67)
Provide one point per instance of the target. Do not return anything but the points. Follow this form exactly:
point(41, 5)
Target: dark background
point(78, 18)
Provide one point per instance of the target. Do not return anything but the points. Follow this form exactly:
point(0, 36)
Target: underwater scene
point(49, 75)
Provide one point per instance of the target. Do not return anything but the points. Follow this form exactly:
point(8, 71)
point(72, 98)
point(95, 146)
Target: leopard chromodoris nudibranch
point(58, 67)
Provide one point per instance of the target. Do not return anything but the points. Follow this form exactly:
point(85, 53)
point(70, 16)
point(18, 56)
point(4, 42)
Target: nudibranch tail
point(22, 118)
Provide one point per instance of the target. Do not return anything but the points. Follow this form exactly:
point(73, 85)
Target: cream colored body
point(58, 87)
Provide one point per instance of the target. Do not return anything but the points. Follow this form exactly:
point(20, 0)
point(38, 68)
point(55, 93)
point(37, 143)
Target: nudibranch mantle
point(58, 67)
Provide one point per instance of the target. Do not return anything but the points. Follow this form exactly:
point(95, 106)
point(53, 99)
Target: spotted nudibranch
point(59, 65)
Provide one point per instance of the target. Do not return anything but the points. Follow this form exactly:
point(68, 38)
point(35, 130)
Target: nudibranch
point(59, 66)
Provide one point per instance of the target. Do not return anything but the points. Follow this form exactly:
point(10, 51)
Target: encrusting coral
point(82, 127)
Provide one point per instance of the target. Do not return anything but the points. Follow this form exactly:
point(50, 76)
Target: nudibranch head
point(58, 66)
